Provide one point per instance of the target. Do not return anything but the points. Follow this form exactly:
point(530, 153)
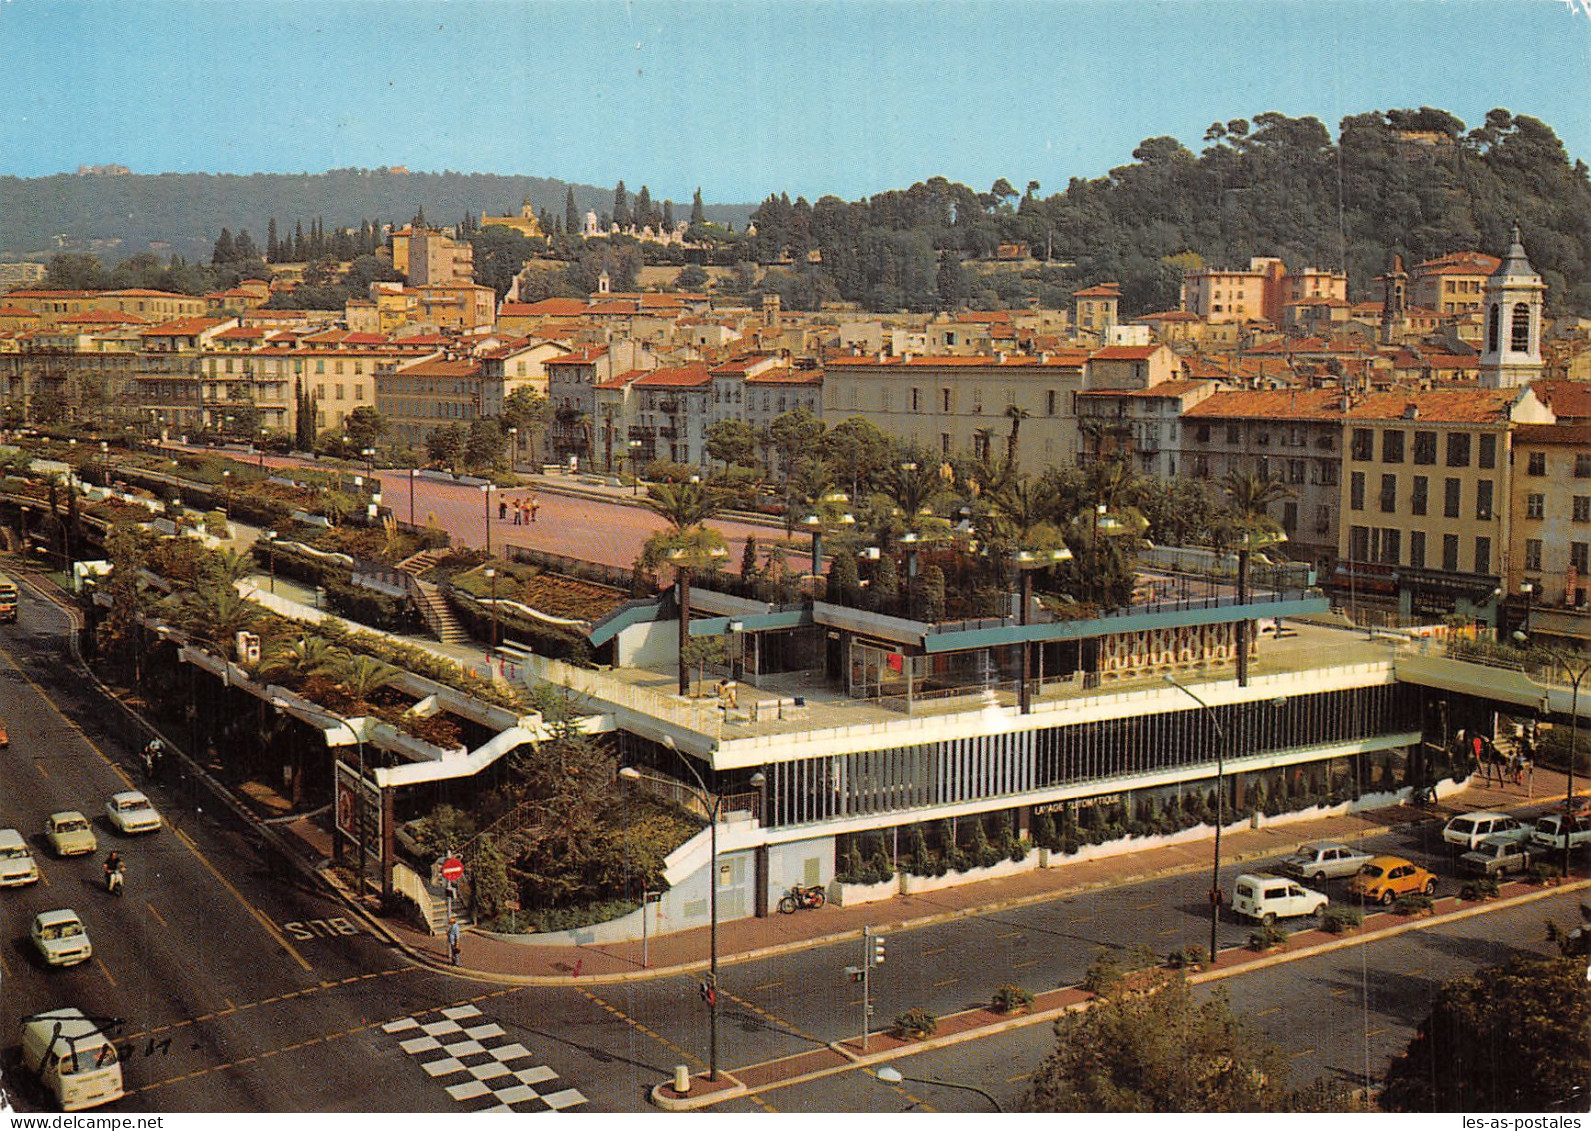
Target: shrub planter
point(917, 885)
point(854, 895)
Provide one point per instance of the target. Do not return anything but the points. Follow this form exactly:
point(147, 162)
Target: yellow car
point(1385, 878)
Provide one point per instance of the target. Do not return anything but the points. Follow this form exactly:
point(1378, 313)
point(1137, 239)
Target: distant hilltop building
point(526, 223)
point(103, 171)
point(14, 275)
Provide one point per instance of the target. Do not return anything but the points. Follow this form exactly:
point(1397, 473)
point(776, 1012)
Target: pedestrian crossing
point(472, 1058)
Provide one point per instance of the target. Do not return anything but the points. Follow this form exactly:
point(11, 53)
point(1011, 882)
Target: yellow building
point(1551, 552)
point(525, 223)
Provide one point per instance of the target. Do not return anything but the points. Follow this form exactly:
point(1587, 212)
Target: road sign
point(452, 869)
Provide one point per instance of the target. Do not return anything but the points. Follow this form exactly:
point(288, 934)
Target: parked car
point(1470, 829)
point(1549, 831)
point(1269, 898)
point(1499, 855)
point(16, 862)
point(60, 938)
point(131, 812)
point(1324, 860)
point(69, 834)
point(1385, 878)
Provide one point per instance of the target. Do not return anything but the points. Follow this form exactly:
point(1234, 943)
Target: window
point(1322, 518)
point(1483, 500)
point(1536, 464)
point(339, 390)
point(320, 366)
point(1417, 500)
point(1234, 435)
point(1356, 491)
point(1360, 446)
point(1532, 553)
point(1359, 543)
point(1417, 549)
point(1458, 449)
point(1392, 447)
point(1391, 547)
point(1493, 335)
point(1483, 555)
point(320, 392)
point(1049, 407)
point(1535, 505)
point(1389, 494)
point(1450, 552)
point(1295, 471)
point(1450, 500)
point(945, 400)
point(1582, 465)
point(1520, 342)
point(1487, 456)
point(944, 443)
point(1579, 553)
point(917, 400)
point(1289, 517)
point(1582, 508)
point(1425, 447)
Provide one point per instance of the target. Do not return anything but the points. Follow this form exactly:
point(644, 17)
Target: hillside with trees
point(183, 213)
point(1415, 181)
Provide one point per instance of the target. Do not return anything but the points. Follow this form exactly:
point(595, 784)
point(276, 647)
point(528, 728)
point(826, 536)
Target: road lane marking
point(1017, 1079)
point(934, 951)
point(1272, 1009)
point(633, 1023)
point(1009, 935)
point(39, 766)
point(1030, 962)
point(259, 917)
point(765, 986)
point(103, 970)
point(1301, 1052)
point(158, 916)
point(946, 982)
point(71, 723)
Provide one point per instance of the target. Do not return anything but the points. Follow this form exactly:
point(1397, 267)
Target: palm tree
point(1017, 414)
point(362, 676)
point(213, 613)
point(913, 483)
point(301, 659)
point(1251, 493)
point(688, 544)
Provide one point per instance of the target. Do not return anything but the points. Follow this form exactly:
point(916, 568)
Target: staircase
point(429, 599)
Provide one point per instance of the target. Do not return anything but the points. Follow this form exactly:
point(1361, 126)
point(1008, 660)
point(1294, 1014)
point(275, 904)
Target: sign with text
point(358, 809)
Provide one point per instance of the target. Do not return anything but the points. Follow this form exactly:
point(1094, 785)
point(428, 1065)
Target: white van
point(1269, 898)
point(73, 1059)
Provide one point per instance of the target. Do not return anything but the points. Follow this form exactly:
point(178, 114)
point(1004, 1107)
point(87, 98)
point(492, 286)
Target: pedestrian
point(453, 941)
point(502, 509)
point(535, 506)
point(519, 511)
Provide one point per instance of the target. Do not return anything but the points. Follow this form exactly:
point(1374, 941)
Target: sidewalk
point(743, 939)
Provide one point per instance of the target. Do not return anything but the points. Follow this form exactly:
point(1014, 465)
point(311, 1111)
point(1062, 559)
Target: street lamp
point(889, 1074)
point(1026, 561)
point(513, 448)
point(1563, 660)
point(104, 463)
point(226, 504)
point(270, 546)
point(635, 467)
point(413, 471)
point(491, 576)
point(370, 462)
point(712, 803)
point(486, 500)
point(1528, 590)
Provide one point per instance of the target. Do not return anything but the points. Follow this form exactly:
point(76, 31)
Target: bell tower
point(1515, 296)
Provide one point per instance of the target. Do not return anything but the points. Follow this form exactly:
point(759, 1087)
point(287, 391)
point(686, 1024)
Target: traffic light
point(854, 973)
point(876, 954)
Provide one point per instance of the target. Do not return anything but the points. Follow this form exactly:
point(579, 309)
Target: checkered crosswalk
point(470, 1055)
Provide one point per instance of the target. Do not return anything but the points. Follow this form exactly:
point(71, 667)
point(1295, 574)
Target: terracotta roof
point(1268, 404)
point(1125, 353)
point(786, 375)
point(442, 367)
point(1056, 360)
point(1102, 290)
point(628, 377)
point(137, 292)
point(550, 306)
point(1578, 435)
point(183, 328)
point(611, 308)
point(740, 364)
point(102, 316)
point(1169, 316)
point(17, 312)
point(1565, 398)
point(1164, 389)
point(241, 333)
point(681, 376)
point(579, 357)
point(1446, 406)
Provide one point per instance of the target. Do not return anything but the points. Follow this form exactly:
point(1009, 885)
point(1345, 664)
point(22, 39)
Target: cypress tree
point(272, 250)
point(668, 215)
point(571, 214)
point(698, 214)
point(621, 207)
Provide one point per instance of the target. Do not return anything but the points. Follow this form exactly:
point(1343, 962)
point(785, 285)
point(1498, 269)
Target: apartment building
point(572, 380)
point(419, 398)
point(1550, 501)
point(1095, 310)
point(673, 408)
point(1452, 284)
point(950, 405)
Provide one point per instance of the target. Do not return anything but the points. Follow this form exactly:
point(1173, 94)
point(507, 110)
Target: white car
point(61, 938)
point(131, 812)
point(1549, 832)
point(16, 862)
point(69, 834)
point(1469, 830)
point(1269, 898)
point(1324, 859)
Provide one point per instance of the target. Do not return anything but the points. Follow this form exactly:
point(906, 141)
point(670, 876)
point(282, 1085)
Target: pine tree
point(273, 251)
point(571, 214)
point(621, 207)
point(225, 250)
point(698, 214)
point(244, 248)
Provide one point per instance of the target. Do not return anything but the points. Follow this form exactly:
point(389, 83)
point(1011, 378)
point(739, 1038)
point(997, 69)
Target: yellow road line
point(1015, 1079)
point(934, 951)
point(270, 927)
point(158, 916)
point(81, 733)
point(103, 970)
point(946, 982)
point(38, 765)
point(628, 1020)
point(765, 986)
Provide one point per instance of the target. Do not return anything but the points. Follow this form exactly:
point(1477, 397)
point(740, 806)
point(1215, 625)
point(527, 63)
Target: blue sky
point(745, 98)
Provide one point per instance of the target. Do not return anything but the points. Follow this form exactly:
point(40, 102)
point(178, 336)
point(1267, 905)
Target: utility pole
point(872, 957)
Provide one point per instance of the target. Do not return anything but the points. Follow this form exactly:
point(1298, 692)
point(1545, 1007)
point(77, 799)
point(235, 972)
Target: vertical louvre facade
point(989, 767)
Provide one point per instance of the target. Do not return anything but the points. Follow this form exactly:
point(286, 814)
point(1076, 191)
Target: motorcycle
point(800, 898)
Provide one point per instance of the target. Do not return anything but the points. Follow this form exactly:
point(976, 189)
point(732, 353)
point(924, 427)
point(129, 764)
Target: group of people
point(524, 510)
